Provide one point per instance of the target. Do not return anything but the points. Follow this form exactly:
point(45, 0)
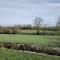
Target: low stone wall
point(31, 48)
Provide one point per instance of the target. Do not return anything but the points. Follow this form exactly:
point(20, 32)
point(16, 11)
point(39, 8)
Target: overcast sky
point(24, 11)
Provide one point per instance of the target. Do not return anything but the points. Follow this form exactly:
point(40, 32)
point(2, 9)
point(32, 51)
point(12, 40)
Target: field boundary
point(40, 54)
point(31, 48)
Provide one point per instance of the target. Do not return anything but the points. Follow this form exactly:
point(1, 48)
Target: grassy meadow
point(31, 39)
point(6, 54)
point(43, 40)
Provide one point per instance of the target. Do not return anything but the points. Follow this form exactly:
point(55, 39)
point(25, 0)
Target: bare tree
point(58, 23)
point(37, 23)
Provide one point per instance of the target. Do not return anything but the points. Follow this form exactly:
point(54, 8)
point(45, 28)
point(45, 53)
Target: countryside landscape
point(30, 30)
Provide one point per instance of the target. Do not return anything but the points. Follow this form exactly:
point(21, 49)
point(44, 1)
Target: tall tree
point(37, 23)
point(58, 23)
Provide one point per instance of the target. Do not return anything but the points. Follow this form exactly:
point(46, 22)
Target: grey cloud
point(26, 9)
point(25, 1)
point(54, 1)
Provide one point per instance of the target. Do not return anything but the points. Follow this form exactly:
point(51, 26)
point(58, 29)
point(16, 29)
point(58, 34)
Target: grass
point(6, 54)
point(30, 39)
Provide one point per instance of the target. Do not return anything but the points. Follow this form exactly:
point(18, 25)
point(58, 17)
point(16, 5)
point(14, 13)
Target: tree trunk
point(37, 32)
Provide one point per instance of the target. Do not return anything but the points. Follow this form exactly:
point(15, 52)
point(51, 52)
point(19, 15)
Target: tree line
point(37, 25)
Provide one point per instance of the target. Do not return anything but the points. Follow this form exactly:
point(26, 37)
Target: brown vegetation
point(31, 30)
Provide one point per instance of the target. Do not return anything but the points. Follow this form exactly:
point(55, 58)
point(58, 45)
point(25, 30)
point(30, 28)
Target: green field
point(31, 39)
point(6, 54)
